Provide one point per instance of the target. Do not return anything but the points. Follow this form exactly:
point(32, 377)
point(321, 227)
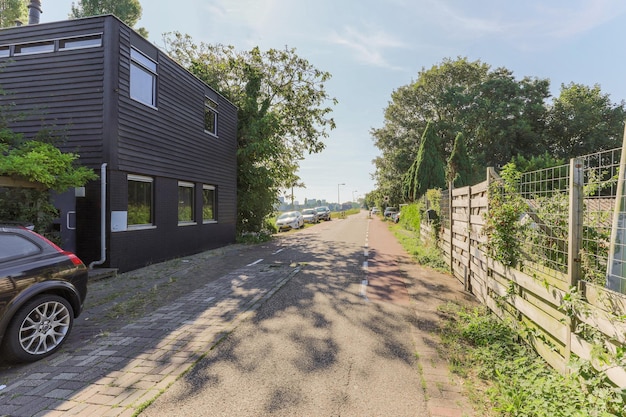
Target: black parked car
point(42, 291)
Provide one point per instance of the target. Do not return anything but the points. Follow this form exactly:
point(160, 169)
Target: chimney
point(34, 11)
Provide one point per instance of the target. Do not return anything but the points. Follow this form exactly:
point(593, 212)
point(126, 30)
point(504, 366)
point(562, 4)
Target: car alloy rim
point(44, 328)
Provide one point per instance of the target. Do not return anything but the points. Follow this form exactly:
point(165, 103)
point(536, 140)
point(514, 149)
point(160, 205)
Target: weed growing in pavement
point(424, 254)
point(507, 378)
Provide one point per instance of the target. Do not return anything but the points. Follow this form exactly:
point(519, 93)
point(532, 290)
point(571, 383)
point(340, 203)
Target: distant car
point(389, 211)
point(375, 210)
point(395, 217)
point(310, 216)
point(323, 213)
point(290, 220)
point(42, 291)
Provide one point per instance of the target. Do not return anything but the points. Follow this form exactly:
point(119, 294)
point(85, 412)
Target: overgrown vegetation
point(507, 378)
point(37, 160)
point(283, 114)
point(506, 234)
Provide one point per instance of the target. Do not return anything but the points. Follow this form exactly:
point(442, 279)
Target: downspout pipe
point(103, 217)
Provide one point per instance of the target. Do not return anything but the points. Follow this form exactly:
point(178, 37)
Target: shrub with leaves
point(503, 228)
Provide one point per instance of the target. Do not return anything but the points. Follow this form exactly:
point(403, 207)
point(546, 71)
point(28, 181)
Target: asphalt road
point(329, 343)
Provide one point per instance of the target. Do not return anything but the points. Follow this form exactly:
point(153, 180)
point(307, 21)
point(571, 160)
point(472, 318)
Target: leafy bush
point(410, 217)
point(516, 380)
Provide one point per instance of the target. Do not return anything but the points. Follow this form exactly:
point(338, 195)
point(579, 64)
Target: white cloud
point(368, 47)
point(524, 23)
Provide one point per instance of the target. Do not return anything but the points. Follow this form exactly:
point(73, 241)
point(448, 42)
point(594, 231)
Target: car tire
point(38, 329)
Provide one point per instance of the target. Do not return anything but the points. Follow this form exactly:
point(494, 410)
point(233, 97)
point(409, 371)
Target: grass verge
point(506, 377)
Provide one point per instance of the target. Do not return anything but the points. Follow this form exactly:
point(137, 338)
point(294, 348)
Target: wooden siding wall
point(169, 140)
point(527, 300)
point(62, 91)
point(86, 93)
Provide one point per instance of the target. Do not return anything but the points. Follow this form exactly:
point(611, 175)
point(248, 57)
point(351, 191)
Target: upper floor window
point(140, 198)
point(210, 116)
point(185, 202)
point(34, 48)
point(52, 45)
point(143, 75)
point(92, 41)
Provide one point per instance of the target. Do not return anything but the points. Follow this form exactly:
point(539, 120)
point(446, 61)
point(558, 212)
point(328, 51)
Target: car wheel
point(39, 328)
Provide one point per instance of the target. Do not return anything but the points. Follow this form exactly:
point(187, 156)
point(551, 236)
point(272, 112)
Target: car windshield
point(310, 211)
point(287, 215)
point(321, 209)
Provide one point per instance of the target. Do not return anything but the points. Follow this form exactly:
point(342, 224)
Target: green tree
point(37, 160)
point(427, 171)
point(128, 11)
point(499, 116)
point(459, 170)
point(12, 11)
point(283, 114)
point(583, 120)
point(506, 117)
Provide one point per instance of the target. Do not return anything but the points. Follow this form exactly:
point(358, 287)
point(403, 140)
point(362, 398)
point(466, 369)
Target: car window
point(15, 246)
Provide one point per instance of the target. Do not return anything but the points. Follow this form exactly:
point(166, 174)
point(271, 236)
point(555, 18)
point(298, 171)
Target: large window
point(185, 202)
point(210, 116)
point(143, 75)
point(208, 204)
point(140, 199)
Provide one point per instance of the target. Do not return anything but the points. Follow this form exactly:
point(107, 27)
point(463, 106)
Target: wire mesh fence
point(547, 194)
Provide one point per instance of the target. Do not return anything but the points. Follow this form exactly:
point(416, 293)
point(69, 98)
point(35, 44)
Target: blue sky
point(373, 47)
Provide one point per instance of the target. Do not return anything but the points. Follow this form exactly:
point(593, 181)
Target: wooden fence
point(539, 302)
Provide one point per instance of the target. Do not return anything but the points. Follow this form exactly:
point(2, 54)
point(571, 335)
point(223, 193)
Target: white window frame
point(145, 179)
point(80, 42)
point(210, 107)
point(192, 186)
point(142, 65)
point(206, 187)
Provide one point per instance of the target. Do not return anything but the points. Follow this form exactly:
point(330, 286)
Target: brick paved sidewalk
point(425, 290)
point(115, 375)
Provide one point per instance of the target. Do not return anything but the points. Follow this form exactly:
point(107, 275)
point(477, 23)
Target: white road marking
point(278, 251)
point(364, 289)
point(255, 262)
point(365, 266)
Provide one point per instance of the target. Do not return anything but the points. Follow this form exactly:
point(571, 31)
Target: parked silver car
point(290, 220)
point(323, 213)
point(310, 216)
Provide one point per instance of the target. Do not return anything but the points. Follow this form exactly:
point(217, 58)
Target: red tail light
point(75, 259)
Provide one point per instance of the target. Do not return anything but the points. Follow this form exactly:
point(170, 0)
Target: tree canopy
point(284, 114)
point(12, 11)
point(427, 170)
point(499, 116)
point(128, 11)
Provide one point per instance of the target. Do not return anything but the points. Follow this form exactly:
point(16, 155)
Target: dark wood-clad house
point(163, 142)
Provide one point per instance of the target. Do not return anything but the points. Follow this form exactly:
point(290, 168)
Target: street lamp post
point(338, 200)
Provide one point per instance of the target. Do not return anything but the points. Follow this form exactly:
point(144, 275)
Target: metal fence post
point(576, 209)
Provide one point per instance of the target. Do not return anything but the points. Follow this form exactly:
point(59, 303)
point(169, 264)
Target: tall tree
point(12, 11)
point(283, 114)
point(459, 170)
point(427, 171)
point(499, 116)
point(128, 11)
point(583, 120)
